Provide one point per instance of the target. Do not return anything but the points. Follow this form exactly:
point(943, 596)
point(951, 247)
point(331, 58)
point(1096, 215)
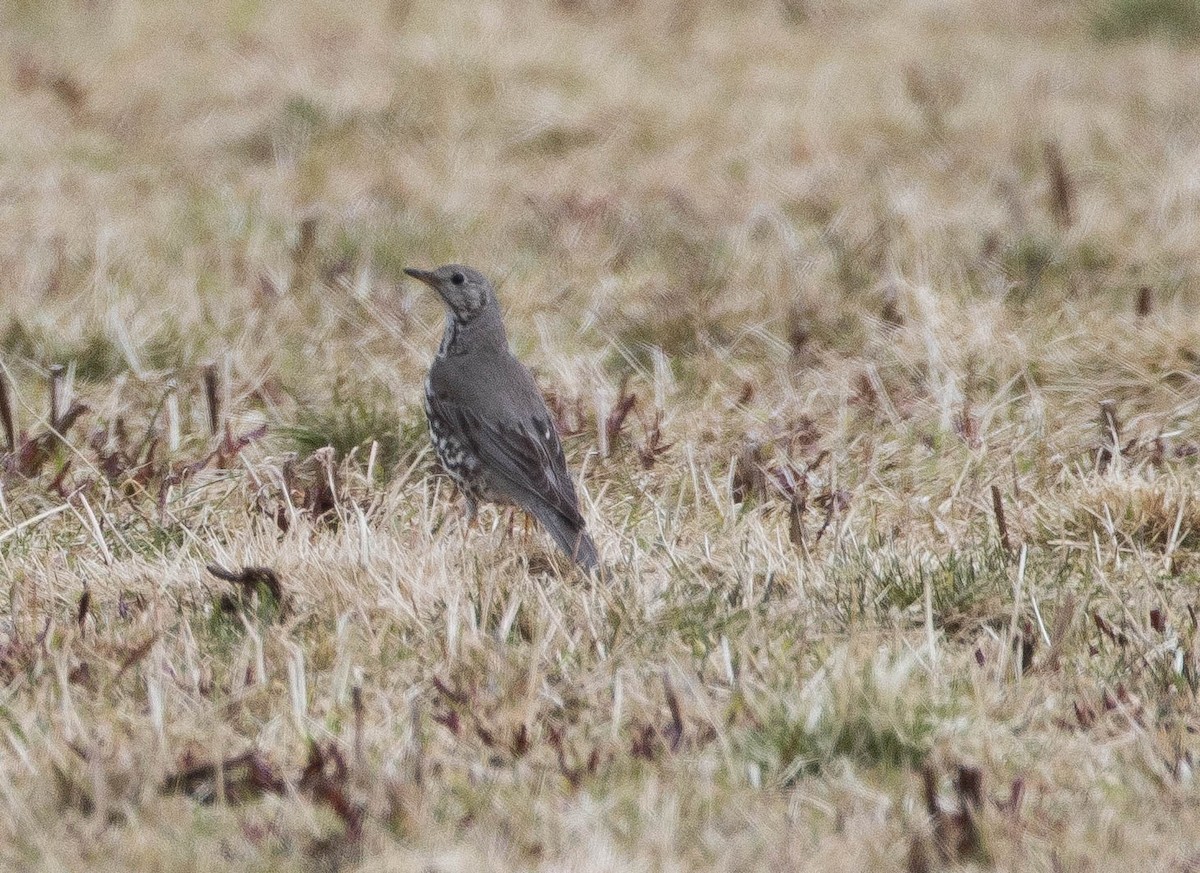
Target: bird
point(489, 424)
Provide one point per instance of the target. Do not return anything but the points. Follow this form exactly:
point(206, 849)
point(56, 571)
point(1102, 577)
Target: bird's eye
point(457, 278)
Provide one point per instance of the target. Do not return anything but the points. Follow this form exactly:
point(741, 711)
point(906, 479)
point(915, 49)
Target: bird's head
point(465, 291)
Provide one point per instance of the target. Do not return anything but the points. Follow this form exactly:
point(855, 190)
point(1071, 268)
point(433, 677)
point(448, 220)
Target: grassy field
point(872, 331)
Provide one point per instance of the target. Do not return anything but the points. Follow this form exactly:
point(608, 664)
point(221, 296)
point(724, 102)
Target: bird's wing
point(524, 454)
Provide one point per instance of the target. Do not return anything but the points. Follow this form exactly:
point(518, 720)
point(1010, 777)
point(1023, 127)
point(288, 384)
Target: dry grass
point(858, 265)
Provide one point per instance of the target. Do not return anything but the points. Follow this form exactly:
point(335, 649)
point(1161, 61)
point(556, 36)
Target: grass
point(1124, 19)
point(871, 334)
point(356, 425)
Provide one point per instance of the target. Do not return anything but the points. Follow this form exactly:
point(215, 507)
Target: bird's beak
point(423, 276)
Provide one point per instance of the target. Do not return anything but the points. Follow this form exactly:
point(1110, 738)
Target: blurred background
point(745, 188)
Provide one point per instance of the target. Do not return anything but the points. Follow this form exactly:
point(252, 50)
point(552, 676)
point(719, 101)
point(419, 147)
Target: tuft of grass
point(966, 585)
point(96, 355)
point(1136, 512)
point(874, 716)
point(1178, 20)
point(349, 425)
point(1031, 261)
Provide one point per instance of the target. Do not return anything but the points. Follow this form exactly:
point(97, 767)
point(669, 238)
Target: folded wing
point(523, 458)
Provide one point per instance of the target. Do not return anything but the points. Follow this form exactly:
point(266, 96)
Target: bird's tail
point(571, 538)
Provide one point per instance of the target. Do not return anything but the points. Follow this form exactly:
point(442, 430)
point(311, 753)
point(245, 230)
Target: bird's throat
point(450, 337)
point(483, 331)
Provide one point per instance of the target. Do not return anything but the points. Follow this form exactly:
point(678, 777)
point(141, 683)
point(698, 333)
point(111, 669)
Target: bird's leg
point(471, 507)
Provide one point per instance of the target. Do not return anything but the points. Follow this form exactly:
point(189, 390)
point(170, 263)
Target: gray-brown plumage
point(488, 423)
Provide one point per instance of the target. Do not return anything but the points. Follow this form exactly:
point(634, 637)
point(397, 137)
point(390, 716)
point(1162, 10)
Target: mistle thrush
point(489, 425)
